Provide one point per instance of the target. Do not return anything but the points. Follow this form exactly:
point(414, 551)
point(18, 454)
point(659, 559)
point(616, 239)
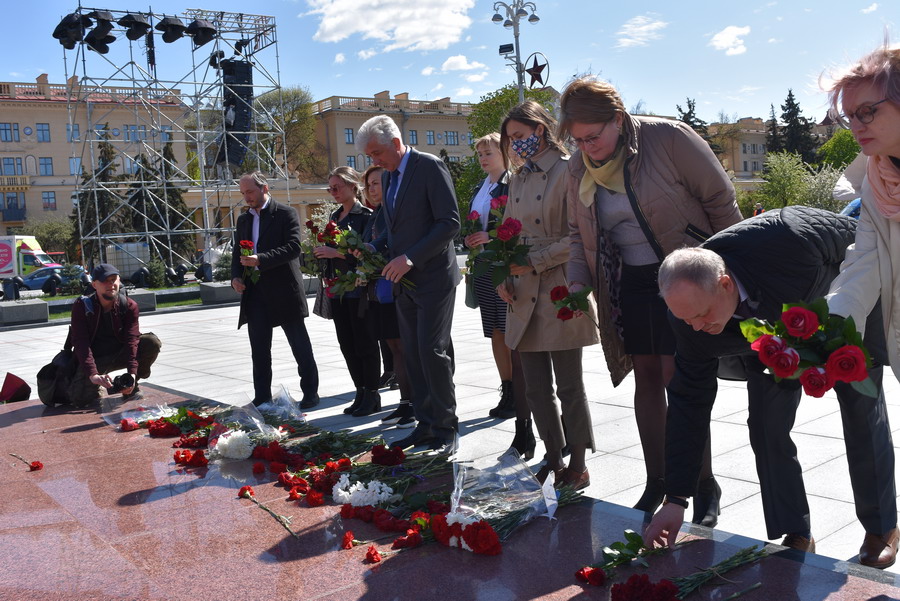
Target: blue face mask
point(528, 147)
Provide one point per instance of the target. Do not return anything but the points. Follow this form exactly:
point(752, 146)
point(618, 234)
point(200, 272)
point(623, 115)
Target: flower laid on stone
point(372, 555)
point(381, 455)
point(191, 459)
point(569, 304)
point(128, 424)
point(250, 273)
point(235, 444)
point(247, 492)
point(33, 466)
point(631, 551)
point(639, 587)
point(361, 493)
point(811, 345)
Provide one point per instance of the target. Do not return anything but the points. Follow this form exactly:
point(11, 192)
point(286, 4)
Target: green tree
point(53, 235)
point(784, 183)
point(488, 113)
point(840, 150)
point(797, 130)
point(700, 126)
point(290, 110)
point(818, 183)
point(774, 139)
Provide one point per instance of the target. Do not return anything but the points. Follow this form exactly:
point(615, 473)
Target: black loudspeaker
point(237, 99)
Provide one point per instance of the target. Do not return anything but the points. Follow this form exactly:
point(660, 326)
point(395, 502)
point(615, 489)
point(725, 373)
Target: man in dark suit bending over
point(750, 270)
point(422, 219)
point(276, 297)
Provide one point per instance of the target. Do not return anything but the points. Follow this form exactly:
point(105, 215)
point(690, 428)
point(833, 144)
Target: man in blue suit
point(422, 220)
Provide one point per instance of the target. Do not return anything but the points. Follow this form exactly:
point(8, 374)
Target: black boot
point(507, 406)
point(524, 441)
point(371, 404)
point(360, 394)
point(707, 503)
point(653, 495)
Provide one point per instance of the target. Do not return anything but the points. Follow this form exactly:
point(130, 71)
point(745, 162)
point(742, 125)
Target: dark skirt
point(383, 320)
point(493, 309)
point(645, 321)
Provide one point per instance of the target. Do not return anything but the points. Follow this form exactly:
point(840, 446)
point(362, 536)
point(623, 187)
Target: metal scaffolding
point(209, 112)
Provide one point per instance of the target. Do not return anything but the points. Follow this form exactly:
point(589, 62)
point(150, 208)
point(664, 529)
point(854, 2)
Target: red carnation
point(347, 543)
point(198, 459)
point(35, 466)
point(246, 492)
point(440, 528)
point(248, 244)
point(800, 322)
point(365, 513)
point(348, 511)
point(847, 364)
point(816, 381)
point(565, 314)
point(473, 216)
point(412, 539)
point(276, 467)
point(128, 425)
point(482, 538)
point(372, 555)
point(437, 507)
point(314, 498)
point(559, 293)
point(259, 467)
point(589, 575)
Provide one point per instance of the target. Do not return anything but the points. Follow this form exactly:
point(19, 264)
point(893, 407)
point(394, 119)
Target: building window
point(73, 132)
point(351, 161)
point(762, 149)
point(451, 138)
point(12, 166)
point(75, 166)
point(43, 132)
point(15, 200)
point(348, 135)
point(135, 133)
point(745, 165)
point(413, 137)
point(429, 137)
point(48, 200)
point(756, 165)
point(130, 165)
point(165, 133)
point(453, 159)
point(744, 147)
point(9, 132)
point(45, 166)
point(368, 161)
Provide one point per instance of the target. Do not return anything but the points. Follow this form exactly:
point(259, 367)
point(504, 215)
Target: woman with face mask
point(639, 188)
point(549, 348)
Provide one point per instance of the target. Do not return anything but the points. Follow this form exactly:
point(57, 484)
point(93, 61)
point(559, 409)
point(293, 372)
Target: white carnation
point(360, 494)
point(235, 444)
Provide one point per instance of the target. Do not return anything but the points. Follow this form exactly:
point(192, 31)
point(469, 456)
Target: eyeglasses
point(590, 140)
point(334, 188)
point(864, 114)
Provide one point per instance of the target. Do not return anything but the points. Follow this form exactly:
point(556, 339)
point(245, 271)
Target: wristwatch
point(409, 262)
point(676, 501)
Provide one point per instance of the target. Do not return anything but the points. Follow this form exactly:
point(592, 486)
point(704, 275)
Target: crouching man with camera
point(105, 337)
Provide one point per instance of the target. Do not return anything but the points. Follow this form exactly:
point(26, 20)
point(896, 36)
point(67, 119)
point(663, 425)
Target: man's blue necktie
point(392, 189)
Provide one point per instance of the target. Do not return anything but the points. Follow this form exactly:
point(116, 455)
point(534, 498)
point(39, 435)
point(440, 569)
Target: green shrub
point(157, 277)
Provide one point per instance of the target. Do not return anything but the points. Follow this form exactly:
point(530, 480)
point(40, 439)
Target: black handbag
point(54, 378)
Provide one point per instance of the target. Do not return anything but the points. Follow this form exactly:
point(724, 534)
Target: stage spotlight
point(215, 57)
point(202, 31)
point(99, 39)
point(172, 28)
point(71, 30)
point(136, 26)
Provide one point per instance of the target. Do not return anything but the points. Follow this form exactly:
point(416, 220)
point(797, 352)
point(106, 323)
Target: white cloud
point(427, 71)
point(749, 89)
point(463, 92)
point(366, 54)
point(339, 58)
point(398, 24)
point(460, 63)
point(438, 87)
point(772, 40)
point(730, 40)
point(640, 30)
point(870, 9)
point(15, 74)
point(475, 77)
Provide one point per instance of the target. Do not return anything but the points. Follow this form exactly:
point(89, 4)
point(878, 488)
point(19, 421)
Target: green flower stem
point(284, 520)
point(688, 584)
point(22, 459)
point(746, 590)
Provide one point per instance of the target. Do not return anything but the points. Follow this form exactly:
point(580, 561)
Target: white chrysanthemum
point(463, 520)
point(360, 494)
point(235, 444)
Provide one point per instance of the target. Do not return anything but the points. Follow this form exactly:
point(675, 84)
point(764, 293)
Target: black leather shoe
point(308, 402)
point(258, 402)
point(371, 404)
point(357, 401)
point(707, 503)
point(653, 496)
point(417, 438)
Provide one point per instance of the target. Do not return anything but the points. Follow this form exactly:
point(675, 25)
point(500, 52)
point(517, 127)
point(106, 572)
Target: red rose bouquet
point(503, 251)
point(568, 303)
point(471, 225)
point(810, 345)
point(250, 273)
point(368, 265)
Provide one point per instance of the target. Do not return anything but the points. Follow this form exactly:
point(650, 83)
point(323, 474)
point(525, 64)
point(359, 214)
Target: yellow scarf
point(610, 175)
point(884, 178)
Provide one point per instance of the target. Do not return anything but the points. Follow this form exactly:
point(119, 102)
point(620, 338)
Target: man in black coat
point(422, 220)
point(276, 297)
point(750, 270)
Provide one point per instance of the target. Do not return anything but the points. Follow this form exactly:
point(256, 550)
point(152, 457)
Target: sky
point(735, 58)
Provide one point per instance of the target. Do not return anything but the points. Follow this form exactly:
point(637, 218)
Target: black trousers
point(260, 332)
point(358, 345)
point(425, 320)
point(82, 391)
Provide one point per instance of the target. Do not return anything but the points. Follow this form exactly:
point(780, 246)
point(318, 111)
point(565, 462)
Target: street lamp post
point(515, 11)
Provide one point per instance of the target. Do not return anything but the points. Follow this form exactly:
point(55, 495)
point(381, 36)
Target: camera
point(120, 383)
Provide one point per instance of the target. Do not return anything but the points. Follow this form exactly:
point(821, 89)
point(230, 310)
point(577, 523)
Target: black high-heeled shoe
point(707, 503)
point(357, 401)
point(653, 496)
point(524, 441)
point(371, 404)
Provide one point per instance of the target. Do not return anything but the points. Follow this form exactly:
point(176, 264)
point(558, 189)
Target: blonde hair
point(880, 68)
point(588, 100)
point(350, 177)
point(491, 138)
